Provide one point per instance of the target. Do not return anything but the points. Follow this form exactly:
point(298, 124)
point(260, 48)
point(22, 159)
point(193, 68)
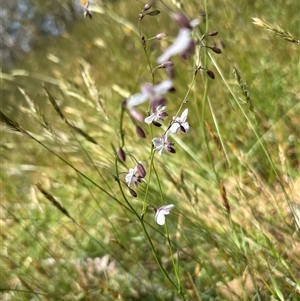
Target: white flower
point(149, 92)
point(133, 178)
point(161, 213)
point(180, 123)
point(181, 45)
point(135, 175)
point(163, 143)
point(159, 114)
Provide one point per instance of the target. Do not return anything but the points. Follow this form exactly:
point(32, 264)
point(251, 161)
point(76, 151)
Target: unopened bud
point(216, 49)
point(167, 64)
point(160, 36)
point(121, 155)
point(141, 16)
point(147, 6)
point(182, 20)
point(140, 132)
point(136, 115)
point(170, 72)
point(210, 74)
point(141, 170)
point(132, 192)
point(212, 33)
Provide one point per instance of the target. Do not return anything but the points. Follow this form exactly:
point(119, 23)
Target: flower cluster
point(184, 46)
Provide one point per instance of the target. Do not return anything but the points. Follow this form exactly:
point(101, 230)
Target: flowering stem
point(179, 290)
point(175, 266)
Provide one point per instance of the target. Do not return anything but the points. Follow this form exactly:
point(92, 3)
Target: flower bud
point(147, 6)
point(121, 155)
point(136, 115)
point(210, 74)
point(160, 36)
point(167, 64)
point(132, 192)
point(182, 20)
point(140, 132)
point(141, 170)
point(216, 49)
point(212, 33)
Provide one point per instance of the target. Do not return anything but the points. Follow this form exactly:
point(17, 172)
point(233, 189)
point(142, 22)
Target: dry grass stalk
point(276, 29)
point(224, 197)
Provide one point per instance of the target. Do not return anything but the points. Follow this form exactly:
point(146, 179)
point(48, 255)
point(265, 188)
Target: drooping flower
point(180, 123)
point(183, 45)
point(163, 143)
point(135, 175)
point(153, 93)
point(161, 213)
point(158, 114)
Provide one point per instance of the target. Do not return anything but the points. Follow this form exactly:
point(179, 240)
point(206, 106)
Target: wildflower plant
point(166, 176)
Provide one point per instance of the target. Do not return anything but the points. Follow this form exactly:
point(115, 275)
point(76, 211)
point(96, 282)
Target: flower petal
point(162, 212)
point(163, 87)
point(174, 128)
point(180, 45)
point(160, 218)
point(150, 119)
point(136, 100)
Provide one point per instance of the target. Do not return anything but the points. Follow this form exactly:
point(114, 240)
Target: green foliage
point(71, 230)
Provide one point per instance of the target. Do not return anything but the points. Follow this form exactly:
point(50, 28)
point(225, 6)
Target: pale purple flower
point(163, 143)
point(180, 123)
point(149, 92)
point(135, 175)
point(157, 115)
point(182, 44)
point(132, 178)
point(161, 213)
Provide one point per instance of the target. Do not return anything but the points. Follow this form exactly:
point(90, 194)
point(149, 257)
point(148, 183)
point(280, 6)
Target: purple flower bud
point(167, 64)
point(141, 170)
point(182, 21)
point(210, 74)
point(160, 36)
point(147, 6)
point(170, 72)
point(216, 49)
point(136, 115)
point(212, 33)
point(121, 155)
point(222, 44)
point(140, 132)
point(132, 192)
